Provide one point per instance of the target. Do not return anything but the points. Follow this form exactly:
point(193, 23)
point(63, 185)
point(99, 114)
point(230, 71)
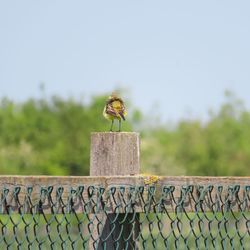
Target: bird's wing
point(110, 110)
point(122, 115)
point(122, 111)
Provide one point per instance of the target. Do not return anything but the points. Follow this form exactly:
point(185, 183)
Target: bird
point(114, 109)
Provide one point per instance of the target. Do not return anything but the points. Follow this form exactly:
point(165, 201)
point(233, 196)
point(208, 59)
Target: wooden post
point(116, 153)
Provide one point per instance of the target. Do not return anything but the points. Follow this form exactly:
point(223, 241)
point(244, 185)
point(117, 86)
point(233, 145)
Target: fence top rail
point(123, 194)
point(122, 180)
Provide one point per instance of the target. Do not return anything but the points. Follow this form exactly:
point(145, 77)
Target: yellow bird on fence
point(114, 109)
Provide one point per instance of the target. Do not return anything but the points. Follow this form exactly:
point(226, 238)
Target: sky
point(175, 58)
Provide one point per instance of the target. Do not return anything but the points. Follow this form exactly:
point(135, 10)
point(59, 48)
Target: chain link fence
point(125, 216)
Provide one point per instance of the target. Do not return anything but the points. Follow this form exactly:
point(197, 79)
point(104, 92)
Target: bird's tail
point(122, 116)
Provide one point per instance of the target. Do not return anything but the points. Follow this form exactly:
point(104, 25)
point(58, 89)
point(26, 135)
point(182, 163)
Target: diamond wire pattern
point(125, 217)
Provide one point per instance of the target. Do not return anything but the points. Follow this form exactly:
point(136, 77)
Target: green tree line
point(52, 136)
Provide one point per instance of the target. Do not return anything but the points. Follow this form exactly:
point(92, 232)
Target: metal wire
point(125, 217)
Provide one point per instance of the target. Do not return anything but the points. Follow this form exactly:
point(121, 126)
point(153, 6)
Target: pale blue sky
point(181, 55)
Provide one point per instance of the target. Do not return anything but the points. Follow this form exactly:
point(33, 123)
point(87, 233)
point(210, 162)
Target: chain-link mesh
point(125, 217)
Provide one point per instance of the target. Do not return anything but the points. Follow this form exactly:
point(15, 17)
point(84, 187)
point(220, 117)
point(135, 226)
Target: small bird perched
point(114, 109)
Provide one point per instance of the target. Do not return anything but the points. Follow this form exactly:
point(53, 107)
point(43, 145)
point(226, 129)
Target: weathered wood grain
point(115, 153)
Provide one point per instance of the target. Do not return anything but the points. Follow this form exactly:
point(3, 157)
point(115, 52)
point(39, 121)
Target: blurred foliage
point(52, 136)
point(220, 146)
point(49, 136)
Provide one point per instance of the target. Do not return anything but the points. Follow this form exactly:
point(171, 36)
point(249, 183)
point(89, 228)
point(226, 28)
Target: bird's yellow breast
point(114, 109)
point(117, 105)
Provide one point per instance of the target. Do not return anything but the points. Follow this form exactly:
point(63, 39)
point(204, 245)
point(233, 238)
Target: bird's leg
point(119, 125)
point(112, 122)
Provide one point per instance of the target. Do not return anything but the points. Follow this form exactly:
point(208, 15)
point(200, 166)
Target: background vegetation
point(52, 136)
